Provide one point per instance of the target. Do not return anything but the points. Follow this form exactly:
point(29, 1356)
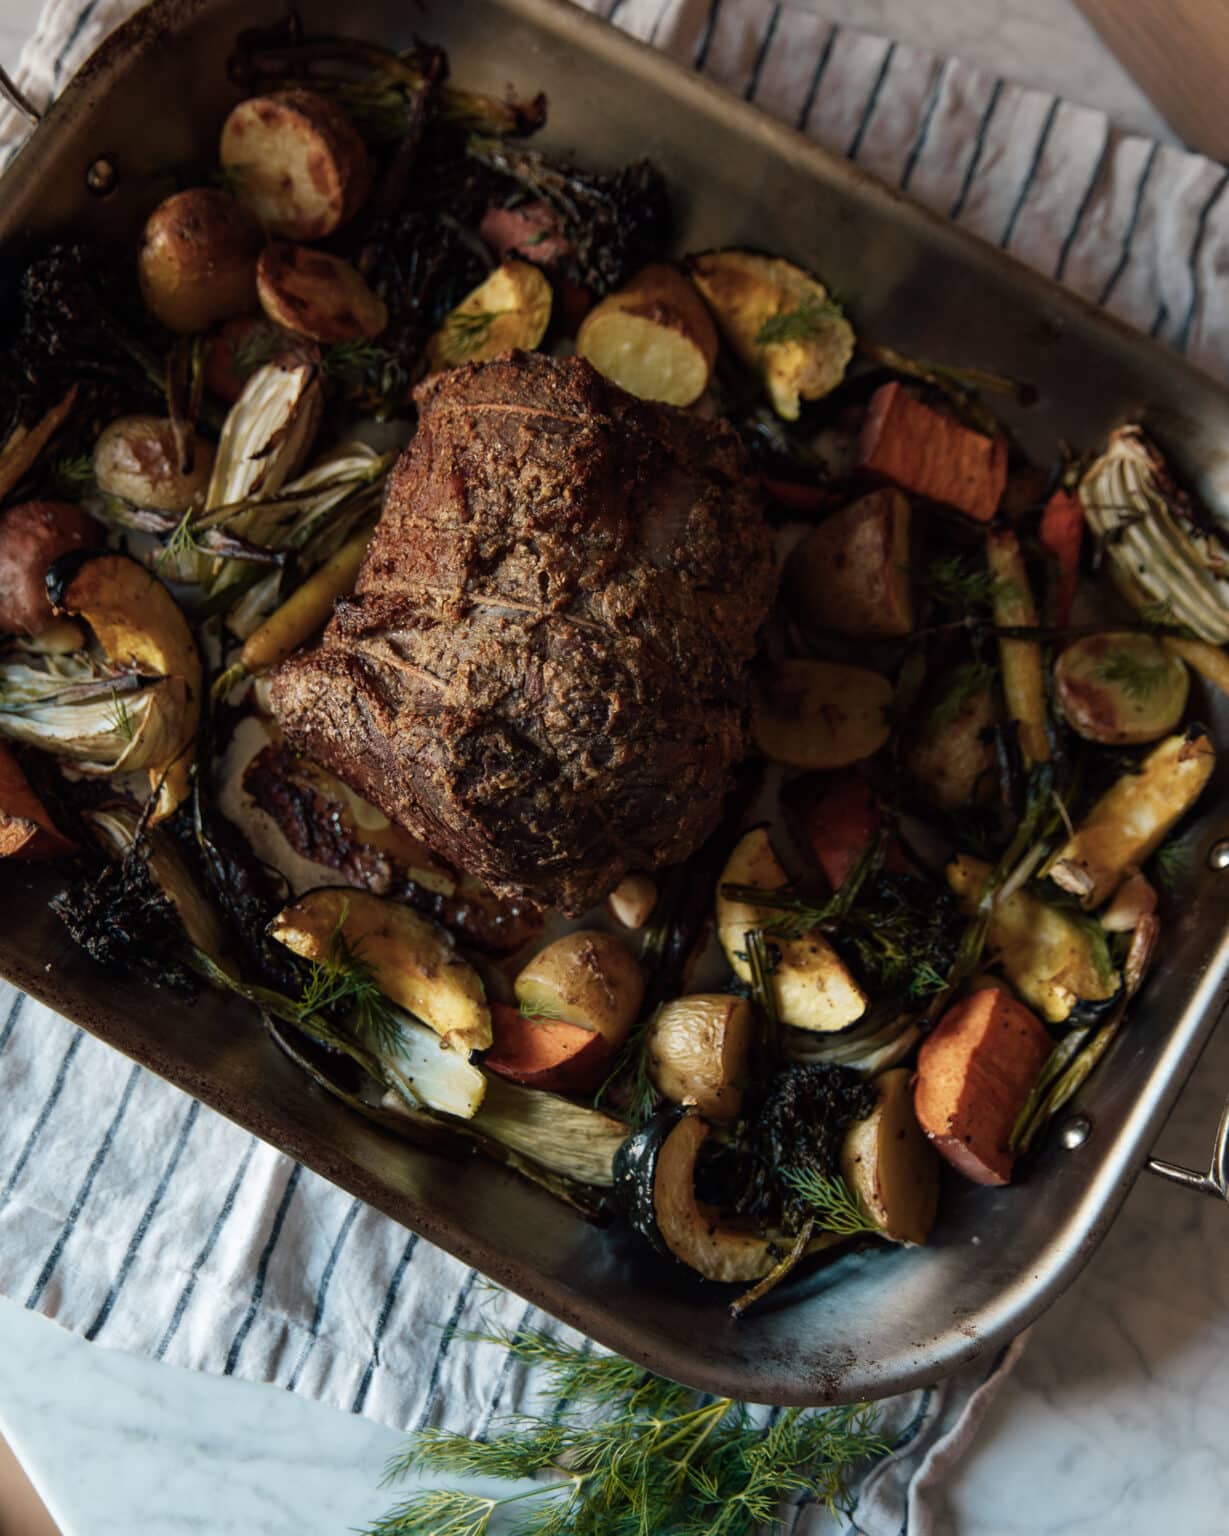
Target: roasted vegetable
point(1132, 819)
point(26, 829)
point(1054, 958)
point(1061, 536)
point(317, 295)
point(415, 963)
point(1019, 659)
point(1210, 661)
point(974, 1073)
point(197, 259)
point(297, 162)
point(699, 1052)
point(632, 901)
point(780, 321)
point(1121, 689)
point(33, 535)
point(839, 818)
point(818, 714)
point(546, 1053)
point(510, 308)
point(655, 1181)
point(887, 1164)
point(813, 987)
point(931, 454)
point(140, 628)
point(948, 752)
point(137, 459)
point(586, 978)
point(1160, 554)
point(653, 337)
point(564, 1137)
point(21, 448)
point(851, 573)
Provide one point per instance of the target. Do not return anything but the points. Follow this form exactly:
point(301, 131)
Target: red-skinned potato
point(137, 459)
point(974, 1072)
point(851, 573)
point(586, 978)
point(299, 163)
point(838, 817)
point(197, 259)
point(32, 535)
point(317, 295)
point(546, 1053)
point(26, 829)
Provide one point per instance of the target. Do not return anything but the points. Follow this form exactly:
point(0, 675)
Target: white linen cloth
point(135, 1217)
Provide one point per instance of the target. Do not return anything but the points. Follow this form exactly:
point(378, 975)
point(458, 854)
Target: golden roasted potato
point(888, 1166)
point(511, 308)
point(851, 573)
point(819, 714)
point(317, 295)
point(32, 535)
point(780, 321)
point(197, 259)
point(653, 338)
point(136, 459)
point(297, 161)
point(1121, 689)
point(699, 1050)
point(586, 978)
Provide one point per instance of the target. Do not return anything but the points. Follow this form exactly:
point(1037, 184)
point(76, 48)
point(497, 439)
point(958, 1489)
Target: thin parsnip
point(1023, 674)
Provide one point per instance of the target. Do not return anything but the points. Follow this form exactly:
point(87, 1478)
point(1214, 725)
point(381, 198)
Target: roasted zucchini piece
point(141, 628)
point(780, 321)
point(415, 962)
point(819, 714)
point(511, 308)
point(655, 1183)
point(699, 1051)
point(1054, 959)
point(1133, 818)
point(653, 337)
point(1120, 689)
point(812, 984)
point(851, 573)
point(889, 1165)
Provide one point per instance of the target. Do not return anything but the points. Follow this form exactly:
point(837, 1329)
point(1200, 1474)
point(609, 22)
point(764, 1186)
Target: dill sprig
point(470, 328)
point(833, 1203)
point(1139, 678)
point(350, 360)
point(965, 683)
point(638, 1098)
point(228, 178)
point(182, 544)
point(344, 981)
point(71, 476)
point(957, 583)
point(1171, 864)
point(118, 718)
point(808, 319)
point(644, 1455)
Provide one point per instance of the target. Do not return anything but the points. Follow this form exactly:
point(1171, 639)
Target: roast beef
point(542, 672)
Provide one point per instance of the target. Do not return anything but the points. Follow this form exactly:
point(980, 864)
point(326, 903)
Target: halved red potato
point(587, 978)
point(851, 573)
point(653, 337)
point(297, 162)
point(197, 259)
point(547, 1053)
point(820, 714)
point(317, 295)
point(32, 535)
point(136, 458)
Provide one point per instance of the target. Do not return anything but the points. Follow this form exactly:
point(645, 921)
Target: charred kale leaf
point(125, 923)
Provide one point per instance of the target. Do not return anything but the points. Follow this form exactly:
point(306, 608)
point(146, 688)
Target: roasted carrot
point(932, 454)
point(1062, 533)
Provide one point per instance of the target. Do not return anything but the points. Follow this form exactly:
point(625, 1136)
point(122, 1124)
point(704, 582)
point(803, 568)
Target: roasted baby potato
point(26, 829)
point(812, 984)
point(297, 162)
point(851, 573)
point(136, 459)
point(818, 714)
point(317, 295)
point(511, 308)
point(546, 1053)
point(239, 347)
point(931, 454)
point(587, 978)
point(1053, 960)
point(653, 338)
point(888, 1166)
point(949, 753)
point(974, 1072)
point(1133, 818)
point(197, 259)
point(415, 961)
point(780, 321)
point(699, 1051)
point(32, 535)
point(1121, 689)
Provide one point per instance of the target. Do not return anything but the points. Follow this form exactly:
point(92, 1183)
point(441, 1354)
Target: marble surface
point(1113, 1421)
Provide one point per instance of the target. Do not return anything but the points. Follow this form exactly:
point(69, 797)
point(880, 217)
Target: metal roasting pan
point(873, 1322)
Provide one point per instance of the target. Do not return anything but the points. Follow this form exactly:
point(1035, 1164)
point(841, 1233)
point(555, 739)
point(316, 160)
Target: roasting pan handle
point(17, 99)
point(1216, 1180)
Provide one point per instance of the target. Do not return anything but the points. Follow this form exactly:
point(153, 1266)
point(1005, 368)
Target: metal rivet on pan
point(1218, 855)
point(1076, 1132)
point(102, 176)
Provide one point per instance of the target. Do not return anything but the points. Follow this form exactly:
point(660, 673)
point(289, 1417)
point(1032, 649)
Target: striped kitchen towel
point(141, 1220)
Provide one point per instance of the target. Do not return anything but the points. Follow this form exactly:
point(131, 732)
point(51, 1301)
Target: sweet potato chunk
point(26, 830)
point(851, 573)
point(546, 1053)
point(838, 817)
point(974, 1073)
point(931, 454)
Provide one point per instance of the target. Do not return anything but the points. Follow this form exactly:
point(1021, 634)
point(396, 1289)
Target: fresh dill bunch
point(536, 1011)
point(647, 1457)
point(71, 476)
point(343, 980)
point(831, 1200)
point(1171, 864)
point(1140, 678)
point(808, 319)
point(965, 684)
point(957, 583)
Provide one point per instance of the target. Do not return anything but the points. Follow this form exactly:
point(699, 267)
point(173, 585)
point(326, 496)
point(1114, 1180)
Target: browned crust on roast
point(542, 670)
